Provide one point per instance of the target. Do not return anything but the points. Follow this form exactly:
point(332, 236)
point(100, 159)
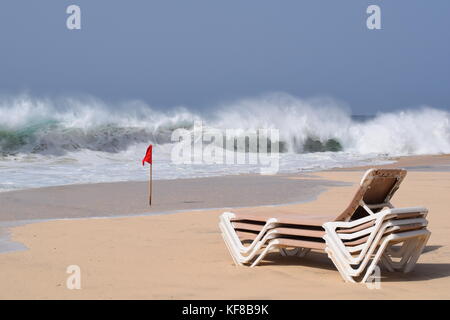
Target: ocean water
point(48, 142)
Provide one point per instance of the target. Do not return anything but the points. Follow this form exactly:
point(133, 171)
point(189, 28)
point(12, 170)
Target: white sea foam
point(63, 141)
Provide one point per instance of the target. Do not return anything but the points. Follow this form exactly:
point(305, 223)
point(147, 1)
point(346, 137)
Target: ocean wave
point(58, 126)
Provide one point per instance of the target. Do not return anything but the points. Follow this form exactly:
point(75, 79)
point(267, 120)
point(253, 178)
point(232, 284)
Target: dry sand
point(182, 255)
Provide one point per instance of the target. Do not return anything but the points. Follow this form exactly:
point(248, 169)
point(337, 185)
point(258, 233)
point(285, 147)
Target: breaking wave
point(59, 126)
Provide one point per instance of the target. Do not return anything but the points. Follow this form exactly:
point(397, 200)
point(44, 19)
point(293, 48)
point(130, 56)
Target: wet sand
point(131, 198)
point(182, 255)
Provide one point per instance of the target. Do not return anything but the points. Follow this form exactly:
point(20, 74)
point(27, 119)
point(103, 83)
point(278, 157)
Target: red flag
point(148, 155)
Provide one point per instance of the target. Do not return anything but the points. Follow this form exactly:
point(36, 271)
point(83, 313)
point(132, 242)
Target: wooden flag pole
point(149, 160)
point(150, 187)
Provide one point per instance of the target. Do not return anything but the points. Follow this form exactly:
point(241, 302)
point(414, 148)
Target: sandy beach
point(131, 252)
point(131, 131)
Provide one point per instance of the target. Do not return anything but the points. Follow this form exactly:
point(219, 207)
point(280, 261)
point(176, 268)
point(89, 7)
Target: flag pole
point(150, 187)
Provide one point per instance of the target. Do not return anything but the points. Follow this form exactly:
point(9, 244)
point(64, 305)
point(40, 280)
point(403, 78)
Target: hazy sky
point(201, 52)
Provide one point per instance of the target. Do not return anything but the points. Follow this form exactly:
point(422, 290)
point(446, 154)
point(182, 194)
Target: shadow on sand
point(421, 272)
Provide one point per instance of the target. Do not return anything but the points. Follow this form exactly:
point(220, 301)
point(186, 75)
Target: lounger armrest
point(377, 217)
point(333, 225)
point(408, 210)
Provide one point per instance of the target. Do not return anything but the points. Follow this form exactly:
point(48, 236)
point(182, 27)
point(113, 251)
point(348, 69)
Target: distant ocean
point(45, 142)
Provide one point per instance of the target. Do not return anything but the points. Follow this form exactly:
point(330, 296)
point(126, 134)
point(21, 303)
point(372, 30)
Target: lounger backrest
point(376, 188)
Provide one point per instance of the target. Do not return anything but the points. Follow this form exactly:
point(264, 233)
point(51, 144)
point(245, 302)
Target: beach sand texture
point(182, 255)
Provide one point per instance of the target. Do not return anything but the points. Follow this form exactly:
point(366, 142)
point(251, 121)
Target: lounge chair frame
point(355, 247)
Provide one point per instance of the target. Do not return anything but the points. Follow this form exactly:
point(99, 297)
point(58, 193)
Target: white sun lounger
point(352, 239)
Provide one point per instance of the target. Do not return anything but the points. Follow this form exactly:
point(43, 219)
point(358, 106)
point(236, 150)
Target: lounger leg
point(225, 222)
point(400, 252)
point(264, 253)
point(303, 252)
point(234, 251)
point(375, 261)
point(338, 266)
point(420, 243)
point(293, 252)
point(237, 255)
point(404, 253)
point(299, 252)
point(236, 262)
point(285, 252)
point(412, 262)
point(407, 252)
point(386, 261)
